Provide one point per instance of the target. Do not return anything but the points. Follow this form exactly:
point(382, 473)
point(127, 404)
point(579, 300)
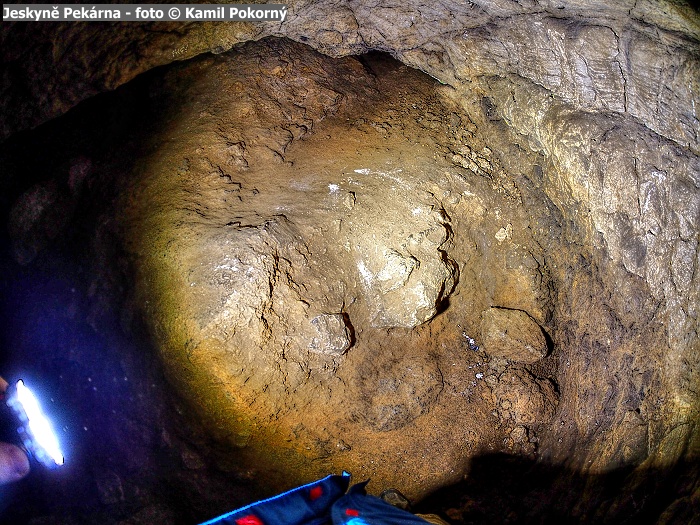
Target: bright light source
point(43, 438)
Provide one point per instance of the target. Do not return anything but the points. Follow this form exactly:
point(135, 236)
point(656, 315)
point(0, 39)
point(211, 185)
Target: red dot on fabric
point(249, 520)
point(352, 512)
point(315, 493)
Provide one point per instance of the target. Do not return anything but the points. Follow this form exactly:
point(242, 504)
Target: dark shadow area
point(71, 328)
point(509, 489)
point(350, 328)
point(130, 448)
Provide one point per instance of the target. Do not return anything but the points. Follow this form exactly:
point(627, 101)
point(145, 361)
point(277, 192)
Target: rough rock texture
point(407, 217)
point(512, 334)
point(286, 294)
point(525, 399)
point(307, 232)
point(636, 58)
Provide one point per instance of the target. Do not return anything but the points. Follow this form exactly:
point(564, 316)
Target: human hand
point(14, 463)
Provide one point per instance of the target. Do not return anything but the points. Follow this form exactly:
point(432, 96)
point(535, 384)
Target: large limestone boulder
point(292, 245)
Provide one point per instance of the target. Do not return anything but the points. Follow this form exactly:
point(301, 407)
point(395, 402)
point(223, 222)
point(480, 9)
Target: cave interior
point(455, 255)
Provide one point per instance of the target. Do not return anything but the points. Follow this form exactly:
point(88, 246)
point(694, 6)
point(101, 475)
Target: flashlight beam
point(38, 424)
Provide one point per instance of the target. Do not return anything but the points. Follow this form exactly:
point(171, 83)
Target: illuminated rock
point(512, 334)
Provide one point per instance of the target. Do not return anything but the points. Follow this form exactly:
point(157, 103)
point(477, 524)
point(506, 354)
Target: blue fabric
point(359, 508)
point(306, 505)
point(323, 502)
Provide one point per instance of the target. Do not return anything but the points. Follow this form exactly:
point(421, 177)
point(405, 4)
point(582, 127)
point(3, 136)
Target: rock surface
point(512, 334)
point(636, 58)
point(408, 217)
point(284, 288)
point(313, 240)
point(282, 293)
point(525, 399)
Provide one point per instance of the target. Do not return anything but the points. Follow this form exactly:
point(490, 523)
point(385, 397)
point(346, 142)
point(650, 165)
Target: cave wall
point(602, 96)
point(296, 265)
point(634, 58)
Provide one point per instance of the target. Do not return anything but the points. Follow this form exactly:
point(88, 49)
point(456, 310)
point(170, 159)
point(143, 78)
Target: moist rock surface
point(300, 232)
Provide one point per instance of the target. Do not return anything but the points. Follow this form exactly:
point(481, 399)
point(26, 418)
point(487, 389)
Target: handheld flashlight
point(33, 427)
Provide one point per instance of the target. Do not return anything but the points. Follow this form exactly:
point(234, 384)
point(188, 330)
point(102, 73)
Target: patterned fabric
point(323, 502)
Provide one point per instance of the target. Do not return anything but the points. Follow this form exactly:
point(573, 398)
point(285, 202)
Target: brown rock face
point(513, 335)
point(347, 264)
point(289, 287)
point(298, 248)
point(524, 398)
